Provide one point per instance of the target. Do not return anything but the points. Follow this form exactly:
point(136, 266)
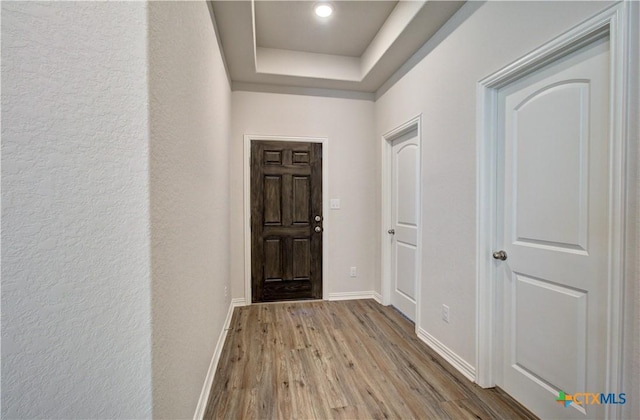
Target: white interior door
point(405, 177)
point(553, 195)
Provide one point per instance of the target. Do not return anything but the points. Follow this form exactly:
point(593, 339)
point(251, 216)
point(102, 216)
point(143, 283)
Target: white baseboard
point(377, 297)
point(447, 354)
point(237, 302)
point(208, 382)
point(355, 295)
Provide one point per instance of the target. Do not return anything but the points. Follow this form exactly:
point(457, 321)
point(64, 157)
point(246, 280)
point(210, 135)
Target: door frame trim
point(247, 203)
point(387, 139)
point(613, 22)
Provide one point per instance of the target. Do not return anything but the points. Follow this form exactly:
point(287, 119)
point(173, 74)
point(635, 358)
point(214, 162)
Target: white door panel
point(552, 175)
point(406, 270)
point(404, 216)
point(560, 313)
point(406, 166)
point(553, 188)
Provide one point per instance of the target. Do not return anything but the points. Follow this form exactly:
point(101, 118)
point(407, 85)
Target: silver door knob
point(500, 255)
point(318, 229)
point(391, 231)
point(317, 218)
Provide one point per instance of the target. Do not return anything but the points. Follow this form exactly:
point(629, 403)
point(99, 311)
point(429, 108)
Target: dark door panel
point(286, 200)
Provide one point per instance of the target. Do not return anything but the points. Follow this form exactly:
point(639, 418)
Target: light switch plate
point(334, 204)
point(445, 313)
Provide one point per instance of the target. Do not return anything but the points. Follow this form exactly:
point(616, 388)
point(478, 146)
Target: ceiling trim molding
point(395, 25)
point(217, 34)
point(335, 67)
point(296, 90)
point(468, 9)
point(404, 31)
point(254, 36)
point(306, 64)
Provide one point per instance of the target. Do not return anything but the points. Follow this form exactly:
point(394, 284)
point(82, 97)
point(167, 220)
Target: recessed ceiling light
point(323, 9)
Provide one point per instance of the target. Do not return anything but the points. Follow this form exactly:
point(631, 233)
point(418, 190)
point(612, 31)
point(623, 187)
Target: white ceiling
point(292, 25)
point(280, 45)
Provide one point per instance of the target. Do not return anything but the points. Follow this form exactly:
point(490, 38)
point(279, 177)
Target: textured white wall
point(632, 293)
point(189, 120)
point(76, 334)
point(442, 86)
point(348, 125)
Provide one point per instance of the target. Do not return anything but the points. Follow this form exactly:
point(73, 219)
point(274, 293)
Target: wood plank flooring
point(341, 360)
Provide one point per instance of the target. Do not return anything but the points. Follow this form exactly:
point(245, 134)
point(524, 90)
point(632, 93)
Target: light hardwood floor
point(348, 360)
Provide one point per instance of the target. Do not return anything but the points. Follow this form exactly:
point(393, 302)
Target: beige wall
point(352, 166)
point(442, 86)
point(479, 40)
point(190, 102)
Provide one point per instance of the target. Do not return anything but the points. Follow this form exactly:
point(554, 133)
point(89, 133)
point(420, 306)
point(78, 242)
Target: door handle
point(318, 229)
point(500, 255)
point(391, 231)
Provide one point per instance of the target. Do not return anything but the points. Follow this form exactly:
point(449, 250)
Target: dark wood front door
point(286, 221)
